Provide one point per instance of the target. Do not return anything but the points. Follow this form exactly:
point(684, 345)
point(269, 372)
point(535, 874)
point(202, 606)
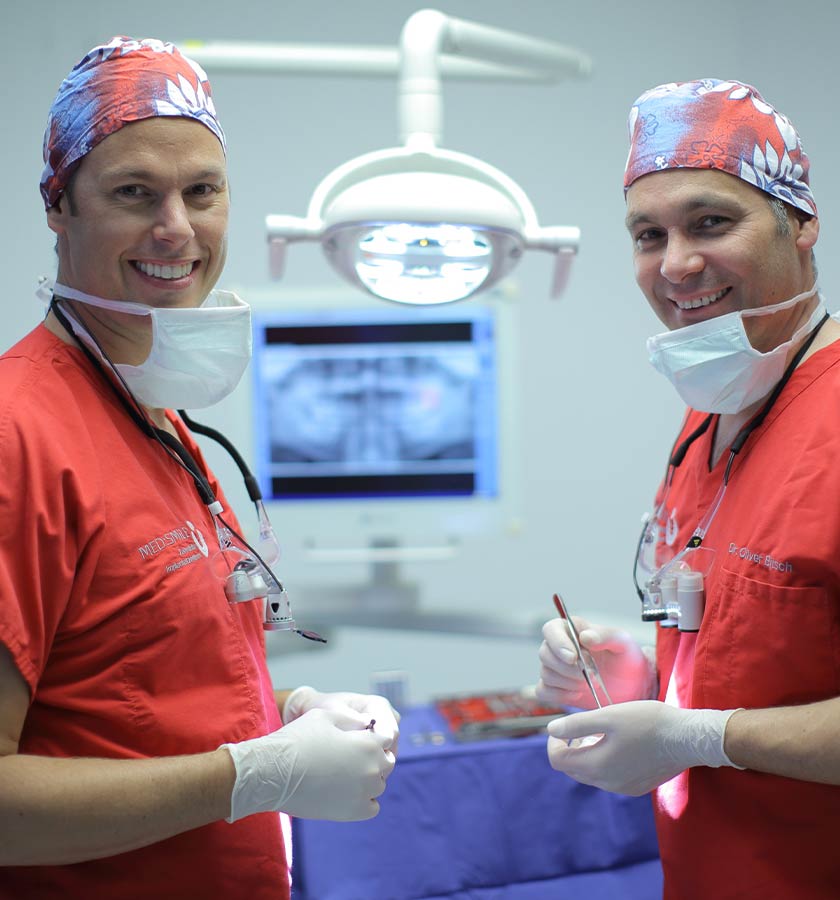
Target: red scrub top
point(770, 636)
point(119, 625)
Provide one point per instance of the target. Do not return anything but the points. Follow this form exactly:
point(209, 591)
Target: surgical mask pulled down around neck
point(714, 367)
point(198, 354)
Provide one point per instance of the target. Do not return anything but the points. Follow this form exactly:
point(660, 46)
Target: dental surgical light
point(419, 224)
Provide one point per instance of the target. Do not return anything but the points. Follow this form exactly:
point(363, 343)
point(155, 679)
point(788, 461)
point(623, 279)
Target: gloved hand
point(640, 745)
point(628, 673)
point(369, 706)
point(324, 765)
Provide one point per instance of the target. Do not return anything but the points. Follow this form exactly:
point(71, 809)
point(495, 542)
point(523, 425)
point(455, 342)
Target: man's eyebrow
point(214, 174)
point(700, 201)
point(133, 174)
point(631, 222)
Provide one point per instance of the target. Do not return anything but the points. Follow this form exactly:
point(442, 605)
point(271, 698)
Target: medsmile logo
point(198, 537)
point(198, 543)
point(190, 536)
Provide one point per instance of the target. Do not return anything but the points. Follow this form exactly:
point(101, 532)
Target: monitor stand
point(388, 601)
point(385, 593)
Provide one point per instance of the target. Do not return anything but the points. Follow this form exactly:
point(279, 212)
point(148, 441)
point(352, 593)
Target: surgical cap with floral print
point(114, 84)
point(725, 125)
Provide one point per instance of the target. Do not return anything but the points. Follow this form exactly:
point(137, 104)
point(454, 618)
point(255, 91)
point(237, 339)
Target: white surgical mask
point(714, 367)
point(198, 354)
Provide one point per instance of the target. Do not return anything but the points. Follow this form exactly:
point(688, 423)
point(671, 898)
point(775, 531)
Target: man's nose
point(172, 222)
point(680, 259)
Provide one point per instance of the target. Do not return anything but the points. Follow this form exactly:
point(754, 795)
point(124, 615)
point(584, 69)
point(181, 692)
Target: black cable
point(201, 483)
point(251, 484)
point(679, 453)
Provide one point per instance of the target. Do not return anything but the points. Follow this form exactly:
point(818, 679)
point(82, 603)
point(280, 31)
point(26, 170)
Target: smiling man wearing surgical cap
point(734, 722)
point(141, 747)
point(118, 83)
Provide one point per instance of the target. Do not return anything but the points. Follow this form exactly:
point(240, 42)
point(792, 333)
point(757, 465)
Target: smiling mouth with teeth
point(169, 273)
point(701, 301)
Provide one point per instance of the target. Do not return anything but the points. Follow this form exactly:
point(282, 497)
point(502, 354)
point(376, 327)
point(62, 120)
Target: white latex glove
point(367, 706)
point(324, 765)
point(628, 672)
point(641, 744)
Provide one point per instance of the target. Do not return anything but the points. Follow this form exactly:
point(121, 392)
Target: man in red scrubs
point(143, 750)
point(734, 723)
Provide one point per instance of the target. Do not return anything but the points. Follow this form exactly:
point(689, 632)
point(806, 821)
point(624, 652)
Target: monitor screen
point(375, 402)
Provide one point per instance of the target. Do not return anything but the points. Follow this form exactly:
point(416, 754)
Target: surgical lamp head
point(421, 226)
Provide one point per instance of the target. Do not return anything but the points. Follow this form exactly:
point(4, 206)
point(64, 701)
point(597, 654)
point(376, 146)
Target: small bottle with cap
point(691, 599)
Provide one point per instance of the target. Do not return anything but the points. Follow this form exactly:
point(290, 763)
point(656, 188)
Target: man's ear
point(56, 215)
point(809, 230)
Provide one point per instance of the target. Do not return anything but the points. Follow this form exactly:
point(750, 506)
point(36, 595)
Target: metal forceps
point(588, 666)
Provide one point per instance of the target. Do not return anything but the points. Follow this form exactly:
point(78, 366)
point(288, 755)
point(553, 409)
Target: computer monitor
point(384, 440)
point(374, 404)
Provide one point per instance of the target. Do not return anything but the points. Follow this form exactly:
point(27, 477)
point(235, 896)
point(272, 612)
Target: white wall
point(593, 418)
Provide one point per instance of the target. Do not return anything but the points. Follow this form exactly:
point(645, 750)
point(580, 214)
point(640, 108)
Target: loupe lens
point(240, 574)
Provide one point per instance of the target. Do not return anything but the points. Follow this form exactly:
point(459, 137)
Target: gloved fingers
point(375, 786)
point(300, 700)
point(370, 707)
point(325, 764)
point(367, 808)
point(557, 676)
point(386, 739)
point(560, 675)
point(384, 729)
point(387, 719)
point(644, 743)
point(559, 659)
point(577, 695)
point(372, 734)
point(382, 760)
point(601, 639)
point(560, 681)
point(575, 758)
point(382, 740)
point(582, 724)
point(557, 642)
point(563, 749)
point(596, 638)
point(342, 718)
point(391, 762)
point(372, 780)
point(625, 719)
